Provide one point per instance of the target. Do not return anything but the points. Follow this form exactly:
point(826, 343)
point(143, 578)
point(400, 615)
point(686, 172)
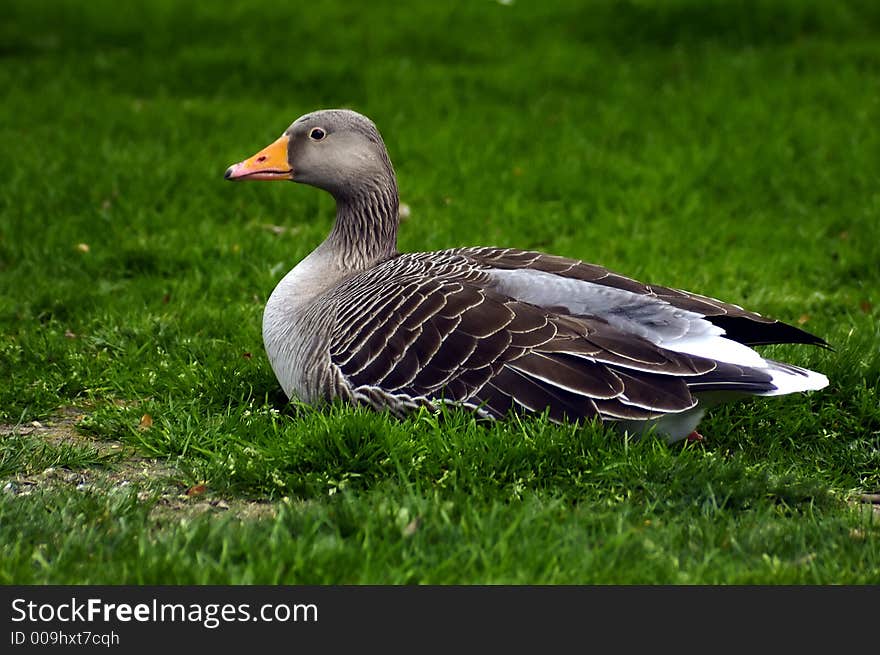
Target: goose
point(492, 329)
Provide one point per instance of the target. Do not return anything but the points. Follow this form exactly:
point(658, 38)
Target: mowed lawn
point(728, 148)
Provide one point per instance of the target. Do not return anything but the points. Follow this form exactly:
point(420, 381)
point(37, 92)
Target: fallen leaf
point(146, 422)
point(246, 355)
point(197, 489)
point(806, 559)
point(803, 319)
point(411, 527)
point(83, 247)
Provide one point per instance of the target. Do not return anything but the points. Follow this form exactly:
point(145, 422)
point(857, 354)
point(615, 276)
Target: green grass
point(730, 148)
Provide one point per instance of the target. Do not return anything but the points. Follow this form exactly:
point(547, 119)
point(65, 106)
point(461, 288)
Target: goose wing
point(419, 329)
point(738, 324)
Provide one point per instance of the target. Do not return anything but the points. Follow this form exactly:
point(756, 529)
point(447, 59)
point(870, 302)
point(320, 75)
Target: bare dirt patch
point(158, 482)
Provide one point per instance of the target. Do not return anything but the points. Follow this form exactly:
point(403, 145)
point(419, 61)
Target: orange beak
point(268, 164)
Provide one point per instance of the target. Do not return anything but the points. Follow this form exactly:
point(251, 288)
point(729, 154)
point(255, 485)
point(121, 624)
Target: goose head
point(337, 150)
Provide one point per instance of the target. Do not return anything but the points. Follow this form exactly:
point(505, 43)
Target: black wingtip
point(754, 333)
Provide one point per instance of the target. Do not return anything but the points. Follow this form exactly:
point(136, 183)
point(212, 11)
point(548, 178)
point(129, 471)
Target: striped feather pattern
point(428, 326)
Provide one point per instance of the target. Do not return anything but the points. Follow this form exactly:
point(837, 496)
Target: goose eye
point(317, 134)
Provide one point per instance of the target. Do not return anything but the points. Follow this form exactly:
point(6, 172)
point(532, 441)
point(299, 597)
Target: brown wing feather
point(453, 340)
point(747, 327)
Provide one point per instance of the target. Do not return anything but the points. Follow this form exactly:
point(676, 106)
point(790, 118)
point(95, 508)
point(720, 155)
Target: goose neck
point(365, 230)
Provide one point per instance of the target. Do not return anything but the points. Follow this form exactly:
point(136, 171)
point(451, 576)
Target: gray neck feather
point(365, 231)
